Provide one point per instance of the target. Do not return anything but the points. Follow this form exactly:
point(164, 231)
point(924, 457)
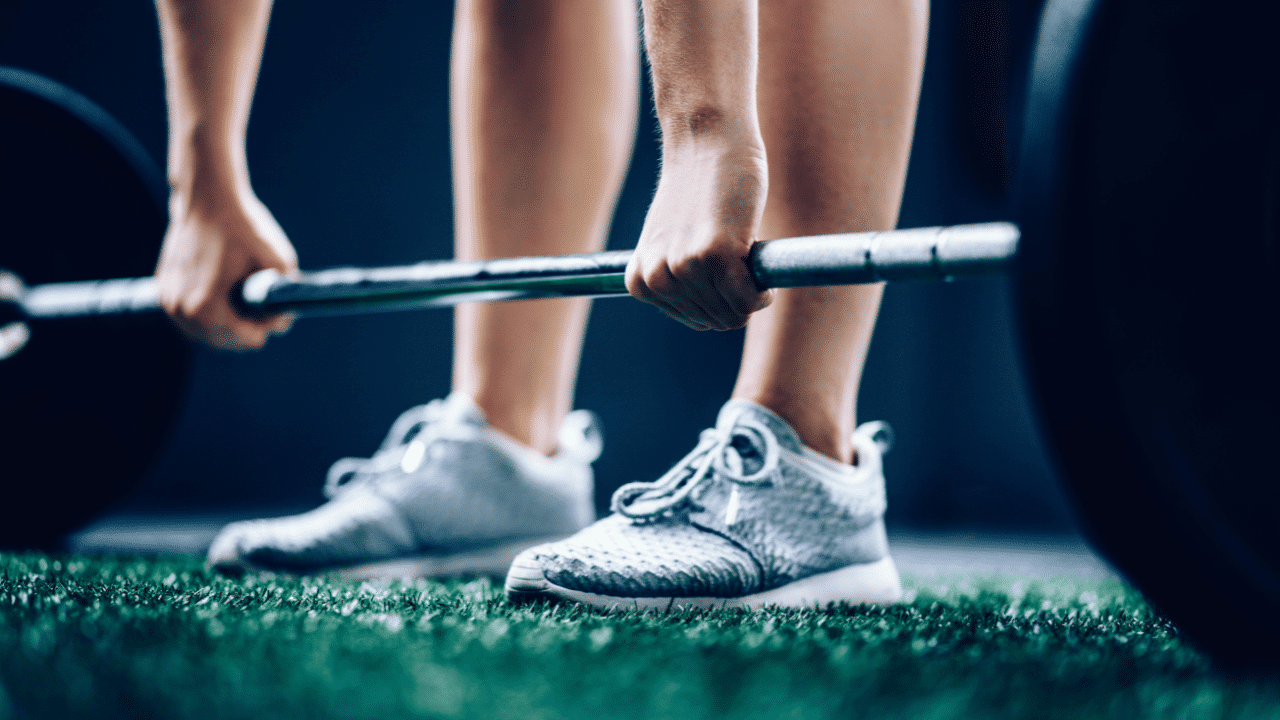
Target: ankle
point(536, 429)
point(820, 429)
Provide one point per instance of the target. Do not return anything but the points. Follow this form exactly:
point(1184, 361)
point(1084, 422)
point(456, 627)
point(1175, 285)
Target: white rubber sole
point(873, 583)
point(488, 561)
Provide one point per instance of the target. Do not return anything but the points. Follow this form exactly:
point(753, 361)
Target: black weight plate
point(87, 404)
point(1147, 275)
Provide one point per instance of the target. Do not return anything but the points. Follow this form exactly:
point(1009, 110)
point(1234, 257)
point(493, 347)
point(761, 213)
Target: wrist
point(202, 165)
point(710, 128)
point(733, 152)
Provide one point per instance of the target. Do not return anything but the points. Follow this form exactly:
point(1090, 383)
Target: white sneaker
point(445, 495)
point(751, 517)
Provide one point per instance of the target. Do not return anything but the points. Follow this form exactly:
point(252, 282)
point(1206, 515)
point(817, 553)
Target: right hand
point(691, 260)
point(215, 240)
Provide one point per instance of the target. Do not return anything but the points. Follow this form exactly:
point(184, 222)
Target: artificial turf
point(84, 636)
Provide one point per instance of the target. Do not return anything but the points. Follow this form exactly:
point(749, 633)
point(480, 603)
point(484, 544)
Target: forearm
point(219, 232)
point(212, 50)
point(703, 56)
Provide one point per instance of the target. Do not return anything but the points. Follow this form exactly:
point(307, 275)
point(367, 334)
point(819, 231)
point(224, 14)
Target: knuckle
point(169, 305)
point(239, 337)
point(766, 299)
point(744, 303)
point(635, 283)
point(205, 312)
point(660, 280)
point(742, 296)
point(253, 340)
point(738, 322)
point(685, 266)
point(724, 319)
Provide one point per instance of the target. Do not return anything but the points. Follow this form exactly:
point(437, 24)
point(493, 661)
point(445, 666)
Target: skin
point(711, 193)
point(790, 118)
point(544, 103)
point(219, 232)
point(850, 73)
point(812, 139)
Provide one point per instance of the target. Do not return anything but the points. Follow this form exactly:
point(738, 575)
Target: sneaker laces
point(719, 453)
point(405, 447)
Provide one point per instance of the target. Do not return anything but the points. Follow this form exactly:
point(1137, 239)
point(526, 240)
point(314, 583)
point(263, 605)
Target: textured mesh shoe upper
point(668, 557)
point(443, 480)
point(749, 510)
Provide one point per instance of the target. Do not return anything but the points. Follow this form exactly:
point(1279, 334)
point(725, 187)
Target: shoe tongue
point(736, 410)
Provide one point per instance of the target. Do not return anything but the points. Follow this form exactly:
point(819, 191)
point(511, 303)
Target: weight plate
point(87, 404)
point(1149, 180)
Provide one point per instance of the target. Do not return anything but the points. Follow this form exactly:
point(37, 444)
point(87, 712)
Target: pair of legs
point(544, 105)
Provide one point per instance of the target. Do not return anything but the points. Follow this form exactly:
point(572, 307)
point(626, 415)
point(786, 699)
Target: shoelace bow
point(714, 456)
point(405, 446)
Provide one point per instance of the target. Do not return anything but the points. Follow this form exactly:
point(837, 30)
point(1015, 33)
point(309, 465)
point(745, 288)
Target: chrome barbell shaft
point(842, 259)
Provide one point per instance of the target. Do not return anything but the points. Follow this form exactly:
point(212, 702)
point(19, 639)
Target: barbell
point(841, 259)
point(1148, 187)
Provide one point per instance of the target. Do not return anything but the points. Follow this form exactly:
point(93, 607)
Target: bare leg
point(544, 102)
point(837, 91)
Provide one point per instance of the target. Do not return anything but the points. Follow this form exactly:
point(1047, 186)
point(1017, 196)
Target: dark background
point(348, 145)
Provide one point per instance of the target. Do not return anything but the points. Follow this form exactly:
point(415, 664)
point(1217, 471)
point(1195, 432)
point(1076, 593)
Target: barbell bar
point(940, 253)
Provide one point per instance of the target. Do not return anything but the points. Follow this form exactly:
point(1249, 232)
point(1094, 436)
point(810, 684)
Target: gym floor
point(917, 554)
point(991, 627)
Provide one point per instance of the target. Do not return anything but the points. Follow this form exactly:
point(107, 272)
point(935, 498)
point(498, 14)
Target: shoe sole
point(489, 561)
point(873, 583)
